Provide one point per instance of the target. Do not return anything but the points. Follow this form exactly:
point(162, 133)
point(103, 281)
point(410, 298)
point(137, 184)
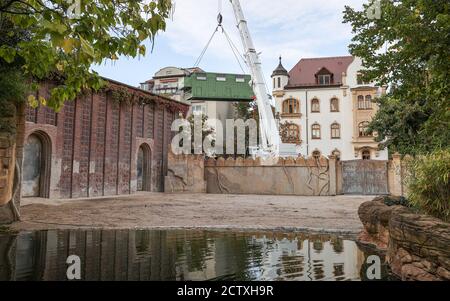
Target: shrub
point(428, 183)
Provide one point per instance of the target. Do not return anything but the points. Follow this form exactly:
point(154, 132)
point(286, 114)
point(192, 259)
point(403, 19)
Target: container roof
point(208, 86)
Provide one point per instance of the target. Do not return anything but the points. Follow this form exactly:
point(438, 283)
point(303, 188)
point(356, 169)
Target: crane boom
point(270, 136)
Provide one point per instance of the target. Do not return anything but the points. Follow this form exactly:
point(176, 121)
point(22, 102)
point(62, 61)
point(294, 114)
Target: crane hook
point(219, 19)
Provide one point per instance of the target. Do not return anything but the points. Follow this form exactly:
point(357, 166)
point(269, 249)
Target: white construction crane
point(270, 137)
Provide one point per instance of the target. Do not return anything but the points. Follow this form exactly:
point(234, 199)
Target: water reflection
point(179, 255)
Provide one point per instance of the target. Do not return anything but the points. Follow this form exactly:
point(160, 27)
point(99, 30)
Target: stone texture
point(375, 217)
point(425, 239)
point(7, 166)
point(302, 177)
point(185, 173)
point(417, 245)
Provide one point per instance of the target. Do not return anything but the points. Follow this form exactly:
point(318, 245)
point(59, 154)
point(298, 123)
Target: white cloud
point(292, 28)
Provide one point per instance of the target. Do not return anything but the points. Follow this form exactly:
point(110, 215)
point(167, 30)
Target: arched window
point(291, 106)
point(316, 131)
point(279, 82)
point(366, 154)
point(315, 105)
point(334, 105)
point(290, 133)
point(368, 102)
point(274, 83)
point(316, 154)
point(361, 103)
point(363, 129)
point(335, 131)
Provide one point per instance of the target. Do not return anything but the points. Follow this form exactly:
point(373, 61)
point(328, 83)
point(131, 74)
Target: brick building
point(106, 143)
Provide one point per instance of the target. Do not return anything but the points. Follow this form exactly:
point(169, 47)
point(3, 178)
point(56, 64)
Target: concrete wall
point(287, 177)
point(292, 176)
point(185, 173)
point(397, 173)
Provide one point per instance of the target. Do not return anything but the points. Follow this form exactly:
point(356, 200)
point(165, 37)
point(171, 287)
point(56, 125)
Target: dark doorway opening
point(144, 168)
point(36, 166)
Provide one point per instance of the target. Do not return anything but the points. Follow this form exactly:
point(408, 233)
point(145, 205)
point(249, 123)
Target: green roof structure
point(218, 87)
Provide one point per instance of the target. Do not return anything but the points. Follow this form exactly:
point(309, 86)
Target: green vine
point(128, 96)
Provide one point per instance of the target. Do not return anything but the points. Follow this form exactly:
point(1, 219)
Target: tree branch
point(8, 4)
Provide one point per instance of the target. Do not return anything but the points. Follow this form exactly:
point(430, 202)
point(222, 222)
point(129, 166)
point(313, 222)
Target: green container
point(218, 87)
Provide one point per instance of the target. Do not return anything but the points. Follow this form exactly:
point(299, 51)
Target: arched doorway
point(143, 172)
point(36, 166)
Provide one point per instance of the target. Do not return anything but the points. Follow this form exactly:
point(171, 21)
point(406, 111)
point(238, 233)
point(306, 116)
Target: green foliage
point(245, 111)
point(407, 49)
point(12, 87)
point(207, 131)
point(58, 44)
point(428, 183)
point(396, 201)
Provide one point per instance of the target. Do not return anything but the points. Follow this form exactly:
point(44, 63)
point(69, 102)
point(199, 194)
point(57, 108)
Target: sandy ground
point(205, 211)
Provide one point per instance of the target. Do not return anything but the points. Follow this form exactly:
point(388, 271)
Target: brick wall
point(95, 139)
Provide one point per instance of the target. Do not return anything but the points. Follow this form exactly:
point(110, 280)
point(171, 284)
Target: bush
point(428, 184)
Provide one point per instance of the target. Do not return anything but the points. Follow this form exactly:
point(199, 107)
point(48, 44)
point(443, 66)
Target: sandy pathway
point(156, 210)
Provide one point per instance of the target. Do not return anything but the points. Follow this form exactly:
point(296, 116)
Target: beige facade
point(364, 109)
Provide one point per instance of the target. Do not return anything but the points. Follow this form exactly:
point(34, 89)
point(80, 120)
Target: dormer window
point(240, 79)
point(324, 79)
point(221, 78)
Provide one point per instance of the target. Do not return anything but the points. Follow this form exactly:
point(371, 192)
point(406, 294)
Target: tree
point(408, 50)
point(246, 111)
point(61, 40)
point(207, 132)
point(66, 44)
point(13, 86)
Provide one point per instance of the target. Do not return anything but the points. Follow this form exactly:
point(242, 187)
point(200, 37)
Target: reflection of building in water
point(105, 255)
point(178, 255)
point(316, 258)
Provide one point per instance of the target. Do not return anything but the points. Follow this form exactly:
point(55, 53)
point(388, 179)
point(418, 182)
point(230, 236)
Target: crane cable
point(234, 50)
point(199, 59)
point(233, 47)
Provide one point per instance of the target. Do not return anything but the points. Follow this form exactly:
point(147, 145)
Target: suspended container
point(218, 87)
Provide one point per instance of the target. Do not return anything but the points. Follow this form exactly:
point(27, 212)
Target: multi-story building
point(325, 109)
point(211, 94)
point(169, 82)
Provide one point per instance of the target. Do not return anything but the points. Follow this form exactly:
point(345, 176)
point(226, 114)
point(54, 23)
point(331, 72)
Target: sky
point(294, 29)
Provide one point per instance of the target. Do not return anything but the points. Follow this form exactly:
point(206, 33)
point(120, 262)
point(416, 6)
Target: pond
point(181, 255)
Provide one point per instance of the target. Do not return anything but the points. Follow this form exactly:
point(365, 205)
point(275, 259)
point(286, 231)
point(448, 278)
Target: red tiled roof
point(303, 74)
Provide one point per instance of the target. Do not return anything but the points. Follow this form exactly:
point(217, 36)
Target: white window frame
point(240, 79)
point(323, 77)
point(198, 109)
